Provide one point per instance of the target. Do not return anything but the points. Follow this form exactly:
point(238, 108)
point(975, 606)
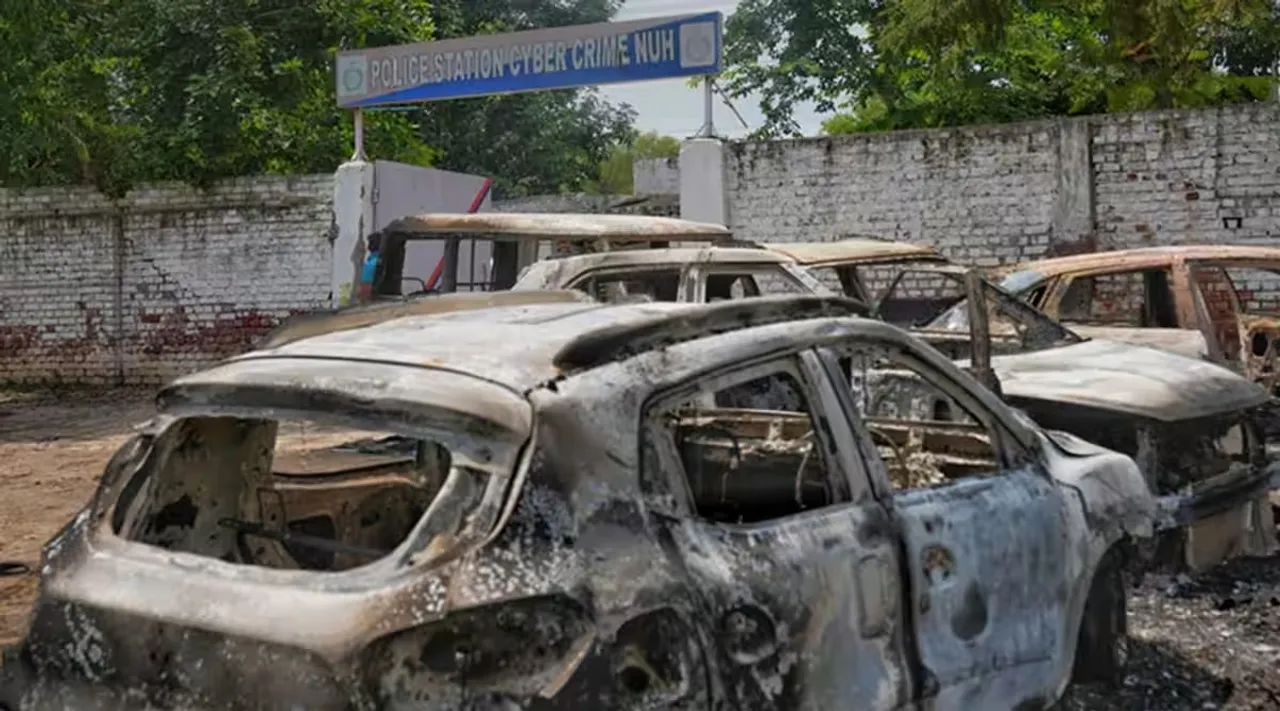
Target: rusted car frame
point(862, 266)
point(520, 239)
point(1189, 301)
point(685, 274)
point(1171, 412)
point(589, 547)
point(1197, 431)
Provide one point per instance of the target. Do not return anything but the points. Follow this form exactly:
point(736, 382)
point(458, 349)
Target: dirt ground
point(1212, 642)
point(52, 451)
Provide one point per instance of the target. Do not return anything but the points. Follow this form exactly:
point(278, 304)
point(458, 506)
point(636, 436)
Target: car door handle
point(877, 595)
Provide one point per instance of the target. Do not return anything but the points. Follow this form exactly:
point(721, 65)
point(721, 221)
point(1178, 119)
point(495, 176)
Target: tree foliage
point(116, 92)
point(616, 176)
point(889, 64)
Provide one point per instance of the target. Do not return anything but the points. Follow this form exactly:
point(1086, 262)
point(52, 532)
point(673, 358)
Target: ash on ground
point(1200, 643)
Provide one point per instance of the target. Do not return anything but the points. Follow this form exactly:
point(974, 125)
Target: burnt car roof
point(852, 250)
point(666, 255)
point(518, 340)
point(513, 225)
point(346, 318)
point(511, 345)
point(1142, 257)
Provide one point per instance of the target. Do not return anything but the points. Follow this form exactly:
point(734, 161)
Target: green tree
point(615, 171)
point(888, 64)
point(119, 92)
point(116, 92)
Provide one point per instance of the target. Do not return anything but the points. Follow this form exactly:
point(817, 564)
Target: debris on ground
point(1200, 643)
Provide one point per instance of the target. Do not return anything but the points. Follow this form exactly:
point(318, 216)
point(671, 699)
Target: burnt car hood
point(1184, 342)
point(1135, 380)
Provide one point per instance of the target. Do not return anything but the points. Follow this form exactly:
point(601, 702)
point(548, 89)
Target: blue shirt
point(370, 268)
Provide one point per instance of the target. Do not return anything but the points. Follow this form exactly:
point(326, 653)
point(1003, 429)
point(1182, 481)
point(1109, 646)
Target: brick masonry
point(165, 281)
point(997, 194)
point(172, 279)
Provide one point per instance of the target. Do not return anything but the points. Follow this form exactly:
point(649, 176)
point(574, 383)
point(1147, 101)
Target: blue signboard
point(553, 58)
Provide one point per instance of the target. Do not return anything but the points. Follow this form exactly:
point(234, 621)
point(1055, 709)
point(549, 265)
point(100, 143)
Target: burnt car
point(1196, 428)
point(685, 274)
point(1198, 300)
point(863, 268)
point(499, 244)
point(586, 506)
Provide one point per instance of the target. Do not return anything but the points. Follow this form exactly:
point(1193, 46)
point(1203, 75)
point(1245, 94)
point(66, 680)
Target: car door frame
point(1229, 349)
point(858, 527)
point(1177, 286)
point(922, 518)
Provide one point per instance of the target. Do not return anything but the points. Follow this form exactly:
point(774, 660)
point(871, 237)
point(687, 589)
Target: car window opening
point(290, 494)
point(748, 451)
point(925, 437)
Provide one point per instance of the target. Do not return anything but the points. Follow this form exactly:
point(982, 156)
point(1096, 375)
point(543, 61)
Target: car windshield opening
point(902, 306)
point(1015, 326)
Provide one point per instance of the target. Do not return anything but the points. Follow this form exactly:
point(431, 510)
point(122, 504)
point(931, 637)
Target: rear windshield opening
point(289, 494)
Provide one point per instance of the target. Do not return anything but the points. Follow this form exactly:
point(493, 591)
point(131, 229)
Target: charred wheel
point(1102, 651)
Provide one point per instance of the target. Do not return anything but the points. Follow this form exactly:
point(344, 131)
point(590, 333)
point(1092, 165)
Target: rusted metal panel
point(1143, 382)
point(1145, 258)
point(852, 251)
point(510, 225)
point(317, 324)
point(1188, 343)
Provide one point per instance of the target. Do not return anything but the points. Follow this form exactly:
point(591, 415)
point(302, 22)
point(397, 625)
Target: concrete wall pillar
point(1073, 209)
point(353, 220)
point(702, 181)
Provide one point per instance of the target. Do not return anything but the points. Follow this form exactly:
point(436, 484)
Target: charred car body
point(516, 241)
point(597, 513)
point(1193, 426)
point(1194, 299)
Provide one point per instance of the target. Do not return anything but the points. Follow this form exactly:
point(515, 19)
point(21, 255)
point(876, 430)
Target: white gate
point(400, 189)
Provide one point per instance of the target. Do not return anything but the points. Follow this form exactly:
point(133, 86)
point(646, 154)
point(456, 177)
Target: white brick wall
point(983, 194)
point(988, 194)
point(655, 176)
point(169, 280)
point(1181, 177)
point(995, 194)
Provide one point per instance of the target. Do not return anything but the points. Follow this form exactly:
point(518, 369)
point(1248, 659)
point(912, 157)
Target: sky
point(670, 107)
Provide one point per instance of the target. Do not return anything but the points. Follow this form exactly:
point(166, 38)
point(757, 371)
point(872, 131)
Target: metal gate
point(400, 189)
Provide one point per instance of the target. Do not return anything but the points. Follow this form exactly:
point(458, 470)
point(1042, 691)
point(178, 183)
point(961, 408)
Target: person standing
point(369, 272)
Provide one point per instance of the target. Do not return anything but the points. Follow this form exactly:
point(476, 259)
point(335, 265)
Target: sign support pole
point(359, 155)
point(708, 129)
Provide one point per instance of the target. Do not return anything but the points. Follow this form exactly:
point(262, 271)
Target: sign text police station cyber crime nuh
point(618, 50)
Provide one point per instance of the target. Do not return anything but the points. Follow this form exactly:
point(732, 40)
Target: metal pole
point(359, 118)
point(708, 129)
point(449, 274)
